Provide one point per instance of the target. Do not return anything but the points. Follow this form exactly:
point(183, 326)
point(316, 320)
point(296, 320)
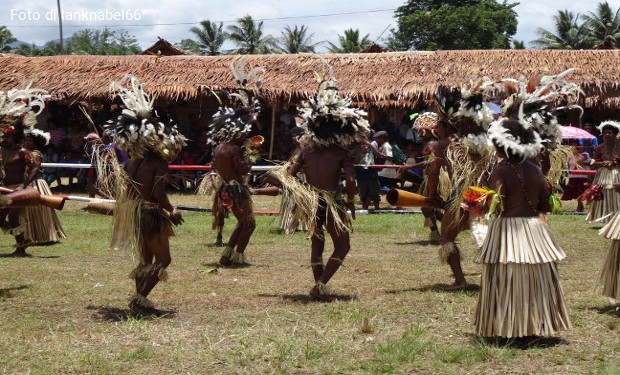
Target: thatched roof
point(163, 48)
point(383, 79)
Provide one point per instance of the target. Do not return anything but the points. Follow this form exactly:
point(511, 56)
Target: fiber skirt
point(289, 221)
point(520, 292)
point(601, 210)
point(609, 276)
point(612, 229)
point(40, 223)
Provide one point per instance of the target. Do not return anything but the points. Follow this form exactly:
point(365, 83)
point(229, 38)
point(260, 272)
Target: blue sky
point(36, 20)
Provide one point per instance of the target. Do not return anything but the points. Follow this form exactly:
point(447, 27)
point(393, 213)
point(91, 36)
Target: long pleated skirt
point(601, 210)
point(611, 268)
point(40, 223)
point(520, 292)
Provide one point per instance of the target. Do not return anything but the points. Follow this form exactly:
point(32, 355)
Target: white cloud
point(171, 19)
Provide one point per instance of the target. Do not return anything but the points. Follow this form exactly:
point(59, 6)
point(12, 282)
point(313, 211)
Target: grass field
point(64, 310)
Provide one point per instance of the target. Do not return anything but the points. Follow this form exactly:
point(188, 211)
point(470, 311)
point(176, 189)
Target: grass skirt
point(289, 222)
point(601, 210)
point(40, 223)
point(520, 292)
point(609, 276)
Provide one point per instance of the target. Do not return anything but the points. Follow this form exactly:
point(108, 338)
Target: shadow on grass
point(115, 314)
point(523, 343)
point(305, 299)
point(8, 292)
point(419, 242)
point(436, 288)
point(613, 310)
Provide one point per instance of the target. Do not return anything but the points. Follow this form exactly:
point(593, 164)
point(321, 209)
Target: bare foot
point(225, 261)
point(219, 242)
point(456, 286)
point(20, 252)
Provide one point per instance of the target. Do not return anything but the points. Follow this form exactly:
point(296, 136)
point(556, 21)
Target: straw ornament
point(20, 104)
point(329, 118)
point(137, 130)
point(229, 123)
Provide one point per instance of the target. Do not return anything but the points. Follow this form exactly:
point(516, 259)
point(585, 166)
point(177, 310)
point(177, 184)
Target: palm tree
point(518, 44)
point(248, 35)
point(569, 34)
point(604, 26)
point(350, 42)
point(6, 38)
point(297, 40)
point(210, 37)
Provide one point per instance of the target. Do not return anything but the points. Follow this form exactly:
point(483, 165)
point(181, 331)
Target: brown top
point(151, 177)
point(523, 186)
point(229, 162)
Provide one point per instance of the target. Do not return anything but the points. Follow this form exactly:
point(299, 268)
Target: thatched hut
point(380, 80)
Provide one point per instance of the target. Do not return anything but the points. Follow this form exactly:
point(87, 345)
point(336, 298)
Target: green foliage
point(518, 44)
point(603, 26)
point(104, 42)
point(210, 37)
point(249, 37)
point(350, 42)
point(449, 25)
point(189, 45)
point(569, 34)
point(49, 49)
point(6, 38)
point(297, 40)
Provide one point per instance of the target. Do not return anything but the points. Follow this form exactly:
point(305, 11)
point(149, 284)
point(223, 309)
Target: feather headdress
point(505, 140)
point(466, 112)
point(137, 129)
point(425, 122)
point(233, 122)
point(329, 118)
point(613, 124)
point(23, 104)
point(41, 138)
point(538, 101)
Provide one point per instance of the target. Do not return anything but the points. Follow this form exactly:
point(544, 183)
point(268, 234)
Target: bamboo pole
point(274, 105)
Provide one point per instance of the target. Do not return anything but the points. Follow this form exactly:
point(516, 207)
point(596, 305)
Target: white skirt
point(520, 292)
point(40, 223)
point(609, 276)
point(601, 210)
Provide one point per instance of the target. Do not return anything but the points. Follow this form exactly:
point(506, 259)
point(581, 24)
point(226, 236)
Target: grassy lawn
point(64, 310)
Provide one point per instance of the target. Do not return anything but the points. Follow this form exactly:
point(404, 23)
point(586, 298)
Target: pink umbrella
point(571, 132)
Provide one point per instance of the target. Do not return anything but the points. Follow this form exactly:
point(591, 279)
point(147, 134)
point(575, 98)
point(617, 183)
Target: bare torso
point(524, 188)
point(229, 163)
point(14, 162)
point(150, 175)
point(322, 167)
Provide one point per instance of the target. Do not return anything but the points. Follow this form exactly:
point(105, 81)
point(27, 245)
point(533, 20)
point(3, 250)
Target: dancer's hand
point(351, 207)
point(176, 218)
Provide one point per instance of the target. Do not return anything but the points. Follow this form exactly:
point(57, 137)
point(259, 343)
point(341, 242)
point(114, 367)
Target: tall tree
point(190, 45)
point(49, 49)
point(249, 37)
point(210, 37)
point(452, 24)
point(350, 42)
point(6, 38)
point(296, 40)
point(569, 34)
point(518, 44)
point(603, 26)
point(104, 42)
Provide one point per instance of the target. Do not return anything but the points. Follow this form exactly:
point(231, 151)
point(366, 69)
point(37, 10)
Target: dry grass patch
point(65, 309)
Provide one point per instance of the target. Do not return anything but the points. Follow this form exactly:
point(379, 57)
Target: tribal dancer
point(143, 216)
point(606, 159)
point(520, 292)
point(425, 125)
point(17, 113)
point(227, 132)
point(610, 275)
point(41, 224)
point(462, 159)
point(331, 128)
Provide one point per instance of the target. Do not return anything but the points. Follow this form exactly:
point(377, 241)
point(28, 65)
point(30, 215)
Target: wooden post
point(274, 105)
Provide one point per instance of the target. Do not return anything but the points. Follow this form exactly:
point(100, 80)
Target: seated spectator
point(577, 183)
point(68, 157)
point(57, 134)
point(49, 174)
